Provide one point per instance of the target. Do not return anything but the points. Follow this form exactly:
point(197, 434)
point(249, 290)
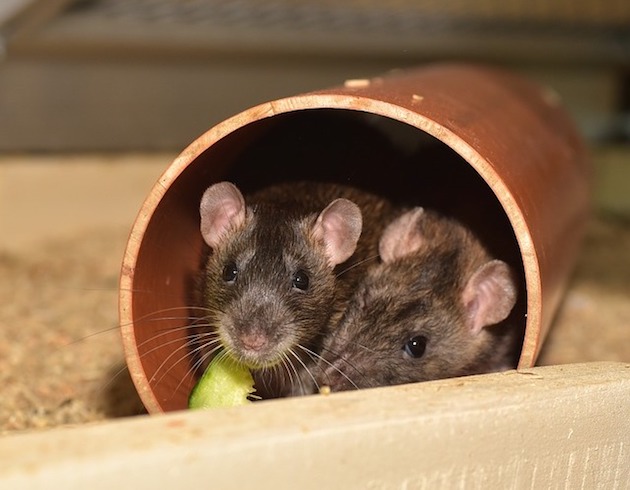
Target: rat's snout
point(252, 328)
point(254, 346)
point(254, 340)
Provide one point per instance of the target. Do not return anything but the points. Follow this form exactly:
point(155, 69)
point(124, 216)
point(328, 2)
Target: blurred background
point(98, 96)
point(153, 74)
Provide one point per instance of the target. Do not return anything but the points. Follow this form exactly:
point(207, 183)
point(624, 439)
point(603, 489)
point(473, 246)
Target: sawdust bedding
point(61, 359)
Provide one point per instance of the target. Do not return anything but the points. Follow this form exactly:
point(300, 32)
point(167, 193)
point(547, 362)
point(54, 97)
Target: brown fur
point(275, 238)
point(438, 281)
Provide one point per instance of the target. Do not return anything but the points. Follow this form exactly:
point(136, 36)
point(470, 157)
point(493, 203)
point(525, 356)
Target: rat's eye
point(300, 280)
point(230, 271)
point(416, 346)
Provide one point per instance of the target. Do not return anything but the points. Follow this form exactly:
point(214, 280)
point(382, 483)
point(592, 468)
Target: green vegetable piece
point(225, 383)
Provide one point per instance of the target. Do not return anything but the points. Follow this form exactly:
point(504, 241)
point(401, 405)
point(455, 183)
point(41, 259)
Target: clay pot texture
point(476, 142)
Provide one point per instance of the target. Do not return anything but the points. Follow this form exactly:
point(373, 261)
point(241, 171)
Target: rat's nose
point(254, 341)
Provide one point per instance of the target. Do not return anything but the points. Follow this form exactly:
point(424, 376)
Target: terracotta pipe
point(478, 142)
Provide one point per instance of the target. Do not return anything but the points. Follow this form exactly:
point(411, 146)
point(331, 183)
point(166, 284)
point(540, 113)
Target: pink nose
point(254, 341)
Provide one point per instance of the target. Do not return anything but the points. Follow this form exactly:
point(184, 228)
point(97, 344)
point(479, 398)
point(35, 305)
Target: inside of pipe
point(364, 150)
point(381, 155)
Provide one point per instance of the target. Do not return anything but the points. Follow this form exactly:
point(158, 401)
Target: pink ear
point(339, 227)
point(402, 236)
point(489, 295)
point(222, 208)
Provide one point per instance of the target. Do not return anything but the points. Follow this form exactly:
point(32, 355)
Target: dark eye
point(230, 271)
point(416, 346)
point(300, 280)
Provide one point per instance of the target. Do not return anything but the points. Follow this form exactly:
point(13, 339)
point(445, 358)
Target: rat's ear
point(402, 236)
point(489, 295)
point(339, 227)
point(222, 208)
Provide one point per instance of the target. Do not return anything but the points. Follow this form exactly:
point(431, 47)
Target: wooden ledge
point(565, 425)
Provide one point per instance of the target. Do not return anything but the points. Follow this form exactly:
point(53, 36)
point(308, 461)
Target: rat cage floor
point(61, 359)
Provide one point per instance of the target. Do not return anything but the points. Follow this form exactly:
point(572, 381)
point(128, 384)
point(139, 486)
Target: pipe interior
point(368, 151)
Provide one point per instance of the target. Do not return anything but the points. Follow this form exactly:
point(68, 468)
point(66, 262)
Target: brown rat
point(282, 265)
point(434, 307)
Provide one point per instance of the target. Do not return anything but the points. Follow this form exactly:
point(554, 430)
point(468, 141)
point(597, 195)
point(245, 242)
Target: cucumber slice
point(225, 383)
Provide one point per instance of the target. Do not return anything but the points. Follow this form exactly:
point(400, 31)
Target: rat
point(434, 307)
point(283, 262)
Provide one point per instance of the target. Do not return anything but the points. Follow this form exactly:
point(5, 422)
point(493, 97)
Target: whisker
point(300, 383)
point(356, 264)
point(197, 364)
point(286, 362)
point(88, 336)
point(266, 377)
point(154, 314)
point(365, 347)
point(168, 331)
point(193, 368)
point(145, 318)
point(113, 377)
point(186, 345)
point(190, 340)
point(114, 289)
point(335, 367)
point(346, 337)
point(306, 369)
